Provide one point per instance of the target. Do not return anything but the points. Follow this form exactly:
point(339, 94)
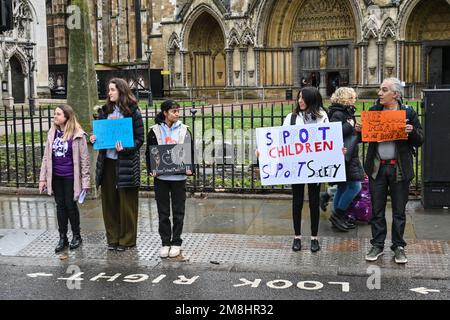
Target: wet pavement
point(233, 236)
point(254, 216)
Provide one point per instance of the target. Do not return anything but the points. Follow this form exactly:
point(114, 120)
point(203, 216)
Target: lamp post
point(148, 52)
point(29, 47)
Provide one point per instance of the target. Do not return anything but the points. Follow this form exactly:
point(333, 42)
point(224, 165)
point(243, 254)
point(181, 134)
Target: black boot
point(350, 223)
point(342, 215)
point(323, 200)
point(76, 241)
point(63, 242)
point(338, 221)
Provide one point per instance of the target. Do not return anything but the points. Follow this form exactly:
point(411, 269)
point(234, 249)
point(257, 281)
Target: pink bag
point(361, 207)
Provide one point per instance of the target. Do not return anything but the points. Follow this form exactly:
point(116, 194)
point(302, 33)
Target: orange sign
point(380, 126)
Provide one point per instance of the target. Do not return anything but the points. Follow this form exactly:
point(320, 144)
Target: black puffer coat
point(128, 163)
point(340, 113)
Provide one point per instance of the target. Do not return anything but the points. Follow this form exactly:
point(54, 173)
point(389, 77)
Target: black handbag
point(350, 143)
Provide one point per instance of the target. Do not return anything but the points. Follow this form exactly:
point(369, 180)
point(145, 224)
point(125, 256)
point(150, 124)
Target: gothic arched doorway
point(426, 56)
point(206, 47)
point(18, 80)
point(322, 35)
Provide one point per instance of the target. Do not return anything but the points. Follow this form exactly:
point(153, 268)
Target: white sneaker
point(174, 251)
point(164, 253)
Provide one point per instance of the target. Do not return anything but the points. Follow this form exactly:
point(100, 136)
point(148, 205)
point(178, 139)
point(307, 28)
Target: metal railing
point(224, 140)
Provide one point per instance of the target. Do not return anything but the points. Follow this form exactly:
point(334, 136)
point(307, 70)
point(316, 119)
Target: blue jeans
point(346, 192)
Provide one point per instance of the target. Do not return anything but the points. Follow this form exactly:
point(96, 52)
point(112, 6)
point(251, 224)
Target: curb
point(151, 194)
point(196, 195)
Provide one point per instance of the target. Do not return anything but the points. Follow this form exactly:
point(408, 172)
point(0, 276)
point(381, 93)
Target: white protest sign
point(310, 153)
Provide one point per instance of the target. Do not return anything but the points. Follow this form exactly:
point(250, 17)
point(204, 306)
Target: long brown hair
point(126, 97)
point(72, 124)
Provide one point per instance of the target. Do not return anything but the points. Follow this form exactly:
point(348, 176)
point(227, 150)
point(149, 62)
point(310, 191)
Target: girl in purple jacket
point(65, 172)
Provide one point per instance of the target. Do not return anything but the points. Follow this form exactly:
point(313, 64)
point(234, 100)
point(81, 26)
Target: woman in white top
point(309, 109)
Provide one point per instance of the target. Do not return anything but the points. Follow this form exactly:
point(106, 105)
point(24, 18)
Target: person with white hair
point(389, 165)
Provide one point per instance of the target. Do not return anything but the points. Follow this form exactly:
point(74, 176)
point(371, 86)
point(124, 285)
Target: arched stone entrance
point(426, 53)
point(312, 40)
point(206, 51)
point(17, 80)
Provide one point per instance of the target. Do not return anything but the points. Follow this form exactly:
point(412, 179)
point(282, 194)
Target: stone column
point(105, 27)
point(257, 52)
point(365, 77)
point(426, 51)
point(213, 70)
point(243, 52)
point(323, 85)
point(7, 96)
point(26, 84)
point(100, 48)
point(194, 60)
point(323, 66)
point(229, 66)
point(183, 68)
point(380, 73)
point(34, 92)
point(171, 63)
point(191, 78)
point(10, 93)
point(398, 54)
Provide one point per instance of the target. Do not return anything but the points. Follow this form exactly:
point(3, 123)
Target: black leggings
point(66, 207)
point(297, 206)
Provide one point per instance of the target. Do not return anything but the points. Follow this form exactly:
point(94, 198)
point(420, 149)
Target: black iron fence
point(224, 139)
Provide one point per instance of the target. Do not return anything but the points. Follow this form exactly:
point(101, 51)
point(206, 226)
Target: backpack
point(361, 206)
point(293, 119)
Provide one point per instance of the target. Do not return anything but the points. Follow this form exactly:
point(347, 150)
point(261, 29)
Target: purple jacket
point(80, 155)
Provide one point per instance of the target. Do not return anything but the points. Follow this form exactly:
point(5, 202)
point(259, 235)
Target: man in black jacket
point(389, 165)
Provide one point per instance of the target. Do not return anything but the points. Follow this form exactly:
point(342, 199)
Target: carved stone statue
point(323, 57)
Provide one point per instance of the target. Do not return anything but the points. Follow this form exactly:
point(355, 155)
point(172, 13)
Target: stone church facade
point(29, 26)
point(263, 47)
point(274, 44)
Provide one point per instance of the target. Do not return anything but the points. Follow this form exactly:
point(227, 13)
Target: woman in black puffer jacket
point(343, 110)
point(118, 170)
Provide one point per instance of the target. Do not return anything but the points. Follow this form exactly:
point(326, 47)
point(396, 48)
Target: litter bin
point(288, 94)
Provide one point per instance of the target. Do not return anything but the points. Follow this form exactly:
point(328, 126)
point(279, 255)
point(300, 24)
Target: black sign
point(57, 80)
point(170, 159)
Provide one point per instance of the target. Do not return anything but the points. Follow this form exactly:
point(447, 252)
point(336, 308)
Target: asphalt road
point(183, 283)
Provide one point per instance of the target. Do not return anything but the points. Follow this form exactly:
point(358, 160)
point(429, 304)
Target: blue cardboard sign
point(109, 131)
